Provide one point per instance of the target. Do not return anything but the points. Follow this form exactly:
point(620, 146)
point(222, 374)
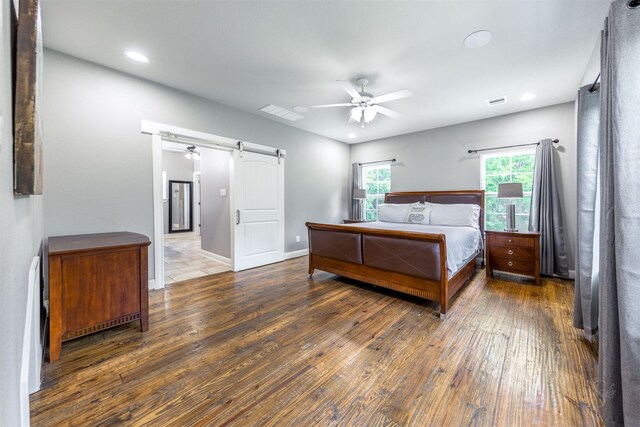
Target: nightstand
point(513, 252)
point(354, 221)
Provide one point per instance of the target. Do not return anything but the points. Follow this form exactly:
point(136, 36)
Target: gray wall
point(216, 222)
point(20, 241)
point(178, 168)
point(98, 167)
point(437, 159)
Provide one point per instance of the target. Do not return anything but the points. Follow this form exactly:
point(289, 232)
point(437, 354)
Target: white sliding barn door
point(259, 210)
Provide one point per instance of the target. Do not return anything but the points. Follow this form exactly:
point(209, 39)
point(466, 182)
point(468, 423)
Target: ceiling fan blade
point(349, 89)
point(404, 93)
point(387, 112)
point(344, 104)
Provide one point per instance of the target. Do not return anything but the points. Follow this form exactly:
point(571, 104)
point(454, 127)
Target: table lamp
point(510, 190)
point(360, 194)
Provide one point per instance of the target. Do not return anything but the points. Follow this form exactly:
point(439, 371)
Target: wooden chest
point(96, 281)
point(513, 252)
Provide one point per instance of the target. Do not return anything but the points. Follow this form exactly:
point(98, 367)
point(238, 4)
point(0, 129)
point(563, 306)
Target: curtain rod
point(593, 86)
point(555, 141)
point(378, 161)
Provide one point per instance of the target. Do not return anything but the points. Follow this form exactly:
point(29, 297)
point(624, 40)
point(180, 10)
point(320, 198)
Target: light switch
point(223, 192)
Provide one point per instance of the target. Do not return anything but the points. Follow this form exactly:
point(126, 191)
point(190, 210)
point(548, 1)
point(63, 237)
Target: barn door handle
point(237, 216)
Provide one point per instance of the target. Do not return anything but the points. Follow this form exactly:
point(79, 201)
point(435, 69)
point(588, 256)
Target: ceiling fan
point(365, 105)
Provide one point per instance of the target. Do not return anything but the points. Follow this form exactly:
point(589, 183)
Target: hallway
point(184, 259)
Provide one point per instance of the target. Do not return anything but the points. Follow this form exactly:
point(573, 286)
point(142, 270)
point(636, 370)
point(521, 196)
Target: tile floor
point(184, 259)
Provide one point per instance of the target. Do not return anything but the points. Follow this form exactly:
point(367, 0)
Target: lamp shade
point(510, 189)
point(359, 193)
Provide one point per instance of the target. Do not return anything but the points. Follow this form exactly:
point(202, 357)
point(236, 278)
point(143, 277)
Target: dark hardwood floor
point(270, 347)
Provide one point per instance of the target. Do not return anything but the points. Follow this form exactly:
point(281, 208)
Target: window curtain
point(546, 215)
point(619, 323)
point(585, 304)
point(356, 182)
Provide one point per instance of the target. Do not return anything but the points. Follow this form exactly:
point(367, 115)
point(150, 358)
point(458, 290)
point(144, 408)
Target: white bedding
point(462, 242)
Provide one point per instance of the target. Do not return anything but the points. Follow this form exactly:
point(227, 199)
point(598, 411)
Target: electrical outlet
point(223, 192)
point(297, 239)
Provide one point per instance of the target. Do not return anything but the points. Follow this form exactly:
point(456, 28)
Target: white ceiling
point(250, 54)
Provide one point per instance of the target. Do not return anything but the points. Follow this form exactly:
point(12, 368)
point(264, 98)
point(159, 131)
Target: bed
point(430, 262)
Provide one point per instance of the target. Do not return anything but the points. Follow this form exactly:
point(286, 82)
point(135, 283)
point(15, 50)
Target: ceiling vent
point(282, 113)
point(492, 102)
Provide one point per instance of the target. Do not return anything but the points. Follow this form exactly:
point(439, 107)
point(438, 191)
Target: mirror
point(180, 209)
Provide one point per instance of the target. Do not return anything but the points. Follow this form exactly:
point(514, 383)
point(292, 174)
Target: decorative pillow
point(460, 215)
point(392, 212)
point(419, 214)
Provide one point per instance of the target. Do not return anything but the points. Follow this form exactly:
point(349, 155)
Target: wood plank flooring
point(271, 347)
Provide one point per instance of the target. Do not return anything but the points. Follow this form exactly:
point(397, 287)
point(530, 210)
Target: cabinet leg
point(144, 322)
point(55, 344)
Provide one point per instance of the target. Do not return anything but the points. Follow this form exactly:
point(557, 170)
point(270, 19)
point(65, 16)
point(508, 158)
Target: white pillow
point(461, 215)
point(391, 212)
point(419, 214)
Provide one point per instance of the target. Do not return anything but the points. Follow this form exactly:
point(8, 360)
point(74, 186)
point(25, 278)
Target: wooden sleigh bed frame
point(409, 262)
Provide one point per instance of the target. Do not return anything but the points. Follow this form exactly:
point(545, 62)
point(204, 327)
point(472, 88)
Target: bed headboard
point(470, 197)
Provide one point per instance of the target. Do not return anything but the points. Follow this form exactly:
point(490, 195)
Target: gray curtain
point(585, 303)
point(546, 215)
point(356, 182)
point(619, 324)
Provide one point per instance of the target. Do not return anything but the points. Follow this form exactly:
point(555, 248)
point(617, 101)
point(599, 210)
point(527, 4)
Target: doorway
point(253, 205)
point(185, 254)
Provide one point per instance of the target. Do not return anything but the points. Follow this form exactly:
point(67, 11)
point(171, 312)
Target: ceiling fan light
point(369, 114)
point(356, 113)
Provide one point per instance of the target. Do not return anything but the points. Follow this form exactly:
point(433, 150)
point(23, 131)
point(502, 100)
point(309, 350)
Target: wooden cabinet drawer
point(512, 252)
point(512, 241)
point(515, 265)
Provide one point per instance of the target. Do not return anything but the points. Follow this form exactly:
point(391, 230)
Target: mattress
point(462, 242)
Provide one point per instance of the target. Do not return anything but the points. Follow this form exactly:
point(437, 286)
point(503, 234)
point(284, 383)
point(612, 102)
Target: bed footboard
point(412, 263)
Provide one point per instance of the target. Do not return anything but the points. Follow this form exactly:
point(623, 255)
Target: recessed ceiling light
point(300, 109)
point(352, 135)
point(478, 39)
point(136, 56)
point(527, 97)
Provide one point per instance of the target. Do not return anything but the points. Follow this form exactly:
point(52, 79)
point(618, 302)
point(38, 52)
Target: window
point(507, 167)
point(377, 181)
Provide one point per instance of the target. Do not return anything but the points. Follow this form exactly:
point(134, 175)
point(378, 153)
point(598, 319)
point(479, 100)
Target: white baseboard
point(152, 284)
point(215, 257)
point(296, 254)
point(572, 274)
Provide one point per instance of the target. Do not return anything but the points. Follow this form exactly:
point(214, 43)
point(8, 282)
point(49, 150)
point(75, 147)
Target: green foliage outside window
point(377, 181)
point(515, 167)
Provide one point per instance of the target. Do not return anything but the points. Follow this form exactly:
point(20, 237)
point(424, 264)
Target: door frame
point(197, 203)
point(160, 132)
